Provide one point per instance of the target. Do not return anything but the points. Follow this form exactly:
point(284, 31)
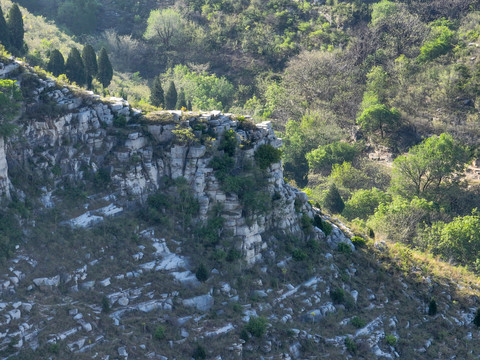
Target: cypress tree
point(181, 102)
point(74, 67)
point(105, 70)
point(15, 28)
point(189, 105)
point(156, 92)
point(4, 33)
point(56, 63)
point(432, 307)
point(171, 96)
point(333, 201)
point(90, 61)
point(476, 319)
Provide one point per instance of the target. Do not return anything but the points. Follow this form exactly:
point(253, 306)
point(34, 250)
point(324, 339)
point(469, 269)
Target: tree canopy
point(428, 166)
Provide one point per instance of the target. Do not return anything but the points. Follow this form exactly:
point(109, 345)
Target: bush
point(358, 322)
point(363, 203)
point(299, 255)
point(358, 241)
point(337, 295)
point(199, 353)
point(432, 307)
point(322, 158)
point(344, 248)
point(229, 143)
point(159, 333)
point(267, 155)
point(333, 201)
point(476, 319)
point(105, 305)
point(257, 326)
point(202, 273)
point(391, 339)
point(350, 345)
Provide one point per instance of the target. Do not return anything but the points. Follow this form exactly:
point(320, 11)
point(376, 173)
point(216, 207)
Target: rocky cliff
point(71, 136)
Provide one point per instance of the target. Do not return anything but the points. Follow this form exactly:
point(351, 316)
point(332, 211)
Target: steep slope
point(172, 235)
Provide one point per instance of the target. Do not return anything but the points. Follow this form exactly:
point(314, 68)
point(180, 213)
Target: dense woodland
point(343, 82)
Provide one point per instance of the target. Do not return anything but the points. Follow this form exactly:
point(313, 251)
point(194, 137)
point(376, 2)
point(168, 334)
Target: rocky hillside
point(172, 235)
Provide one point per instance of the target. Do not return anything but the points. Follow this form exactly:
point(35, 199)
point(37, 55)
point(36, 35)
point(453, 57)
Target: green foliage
point(229, 143)
point(157, 96)
point(441, 42)
point(432, 308)
point(257, 326)
point(205, 91)
point(391, 339)
point(332, 200)
point(300, 138)
point(476, 319)
point(348, 177)
point(400, 219)
point(379, 117)
point(299, 255)
point(322, 158)
point(164, 25)
point(15, 29)
point(358, 241)
point(120, 121)
point(337, 295)
point(159, 333)
point(90, 62)
point(10, 98)
point(358, 322)
point(4, 32)
point(56, 63)
point(202, 273)
point(267, 155)
point(74, 67)
point(80, 16)
point(363, 203)
point(199, 353)
point(456, 240)
point(171, 96)
point(350, 345)
point(10, 234)
point(344, 248)
point(105, 305)
point(428, 166)
point(181, 102)
point(105, 70)
point(184, 136)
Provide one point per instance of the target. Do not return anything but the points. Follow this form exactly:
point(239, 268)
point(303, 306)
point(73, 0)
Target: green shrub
point(333, 201)
point(202, 273)
point(105, 305)
point(120, 121)
point(322, 158)
point(432, 307)
point(337, 295)
point(233, 254)
point(159, 333)
point(229, 143)
point(350, 345)
point(358, 241)
point(358, 322)
point(344, 248)
point(199, 353)
point(257, 326)
point(476, 319)
point(267, 155)
point(391, 339)
point(299, 255)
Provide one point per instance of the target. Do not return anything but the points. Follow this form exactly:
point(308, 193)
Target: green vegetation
point(15, 29)
point(157, 96)
point(10, 98)
point(257, 326)
point(74, 68)
point(105, 70)
point(171, 96)
point(267, 155)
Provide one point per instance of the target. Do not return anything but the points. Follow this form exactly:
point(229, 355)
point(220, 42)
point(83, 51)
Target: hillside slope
point(172, 234)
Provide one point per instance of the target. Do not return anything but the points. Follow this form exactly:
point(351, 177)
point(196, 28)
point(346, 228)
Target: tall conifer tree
point(181, 102)
point(15, 28)
point(105, 70)
point(157, 95)
point(56, 63)
point(74, 67)
point(90, 61)
point(171, 96)
point(4, 33)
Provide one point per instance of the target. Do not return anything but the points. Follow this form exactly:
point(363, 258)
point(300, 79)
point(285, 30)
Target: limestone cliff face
point(85, 135)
